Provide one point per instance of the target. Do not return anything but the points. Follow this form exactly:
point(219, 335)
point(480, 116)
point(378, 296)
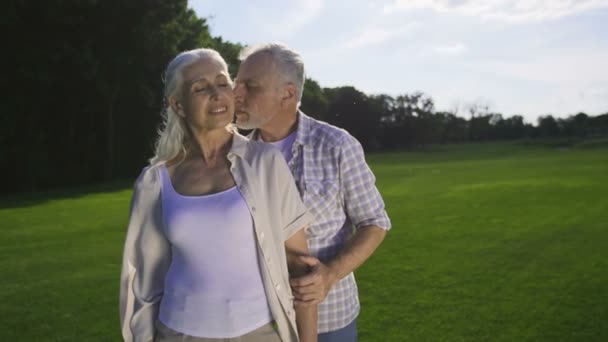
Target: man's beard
point(245, 120)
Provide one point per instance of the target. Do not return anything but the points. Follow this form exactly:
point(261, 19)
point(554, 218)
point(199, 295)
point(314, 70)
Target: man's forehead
point(257, 66)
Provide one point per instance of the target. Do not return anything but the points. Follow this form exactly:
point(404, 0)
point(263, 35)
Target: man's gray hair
point(288, 61)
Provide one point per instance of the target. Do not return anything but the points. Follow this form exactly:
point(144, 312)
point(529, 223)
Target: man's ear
point(289, 93)
point(176, 106)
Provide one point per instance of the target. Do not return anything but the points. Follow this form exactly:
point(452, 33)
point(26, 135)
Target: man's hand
point(312, 288)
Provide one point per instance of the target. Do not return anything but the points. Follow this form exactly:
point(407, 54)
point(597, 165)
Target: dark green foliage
point(352, 110)
point(83, 94)
point(86, 86)
point(314, 100)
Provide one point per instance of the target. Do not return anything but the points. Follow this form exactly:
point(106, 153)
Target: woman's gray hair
point(173, 136)
point(289, 63)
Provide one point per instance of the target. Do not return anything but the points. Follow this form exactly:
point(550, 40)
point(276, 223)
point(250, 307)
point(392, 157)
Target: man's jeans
point(346, 334)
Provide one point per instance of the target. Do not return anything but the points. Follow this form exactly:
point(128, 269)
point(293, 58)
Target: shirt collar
point(303, 129)
point(239, 145)
point(303, 135)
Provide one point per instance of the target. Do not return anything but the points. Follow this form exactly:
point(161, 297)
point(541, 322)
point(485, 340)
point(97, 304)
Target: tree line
point(382, 122)
point(83, 94)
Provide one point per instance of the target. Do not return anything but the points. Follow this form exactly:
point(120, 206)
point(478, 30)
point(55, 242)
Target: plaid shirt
point(338, 188)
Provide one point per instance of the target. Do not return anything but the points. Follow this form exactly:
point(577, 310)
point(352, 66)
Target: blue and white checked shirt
point(338, 188)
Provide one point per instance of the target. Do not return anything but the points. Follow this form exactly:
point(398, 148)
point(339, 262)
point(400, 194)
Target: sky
point(516, 57)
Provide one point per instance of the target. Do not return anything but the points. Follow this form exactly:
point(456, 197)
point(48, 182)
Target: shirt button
point(278, 287)
point(262, 236)
point(252, 208)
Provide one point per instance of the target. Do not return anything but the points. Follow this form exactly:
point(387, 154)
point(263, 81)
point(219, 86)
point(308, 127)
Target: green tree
point(314, 101)
point(351, 109)
point(86, 86)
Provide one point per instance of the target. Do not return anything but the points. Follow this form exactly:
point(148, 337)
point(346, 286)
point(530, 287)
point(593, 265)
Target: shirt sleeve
point(295, 215)
point(362, 200)
point(146, 258)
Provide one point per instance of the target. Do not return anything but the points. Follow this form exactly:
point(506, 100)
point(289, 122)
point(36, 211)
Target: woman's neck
point(211, 146)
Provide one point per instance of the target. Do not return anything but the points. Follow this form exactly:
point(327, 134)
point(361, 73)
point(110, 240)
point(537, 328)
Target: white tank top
point(214, 285)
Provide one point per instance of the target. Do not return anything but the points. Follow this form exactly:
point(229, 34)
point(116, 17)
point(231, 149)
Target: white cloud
point(377, 35)
point(369, 37)
point(571, 99)
point(309, 10)
point(502, 10)
point(600, 92)
point(273, 21)
point(559, 84)
point(582, 67)
point(449, 49)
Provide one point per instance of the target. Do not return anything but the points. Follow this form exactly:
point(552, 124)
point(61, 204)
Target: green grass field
point(495, 242)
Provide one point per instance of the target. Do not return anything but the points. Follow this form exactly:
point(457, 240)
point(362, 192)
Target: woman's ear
point(176, 106)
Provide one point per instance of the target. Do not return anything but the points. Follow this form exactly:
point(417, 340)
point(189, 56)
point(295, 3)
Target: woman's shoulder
point(148, 177)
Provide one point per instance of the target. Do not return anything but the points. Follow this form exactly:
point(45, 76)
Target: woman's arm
point(146, 258)
point(306, 317)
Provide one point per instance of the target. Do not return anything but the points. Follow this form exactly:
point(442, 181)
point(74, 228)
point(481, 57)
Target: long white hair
point(174, 136)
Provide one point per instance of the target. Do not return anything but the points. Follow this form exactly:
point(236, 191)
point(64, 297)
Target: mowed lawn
point(494, 242)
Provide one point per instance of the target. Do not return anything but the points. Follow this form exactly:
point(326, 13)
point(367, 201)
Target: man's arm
point(306, 316)
point(365, 208)
point(313, 288)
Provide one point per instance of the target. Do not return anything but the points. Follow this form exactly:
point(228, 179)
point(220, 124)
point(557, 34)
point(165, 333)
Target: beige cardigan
point(264, 180)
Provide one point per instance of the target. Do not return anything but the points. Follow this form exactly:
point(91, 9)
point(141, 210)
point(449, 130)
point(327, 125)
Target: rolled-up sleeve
point(146, 258)
point(362, 200)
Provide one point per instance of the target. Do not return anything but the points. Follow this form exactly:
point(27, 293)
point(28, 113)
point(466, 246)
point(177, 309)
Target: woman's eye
point(200, 90)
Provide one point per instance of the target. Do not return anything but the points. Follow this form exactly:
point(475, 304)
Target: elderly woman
point(215, 220)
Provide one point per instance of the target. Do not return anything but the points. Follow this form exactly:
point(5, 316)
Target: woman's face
point(207, 100)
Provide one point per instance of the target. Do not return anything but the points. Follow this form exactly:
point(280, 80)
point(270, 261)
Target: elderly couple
point(234, 238)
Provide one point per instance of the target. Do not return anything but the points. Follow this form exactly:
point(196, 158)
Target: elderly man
point(332, 176)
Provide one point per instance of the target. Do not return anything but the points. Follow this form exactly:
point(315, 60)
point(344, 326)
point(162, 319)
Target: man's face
point(257, 92)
